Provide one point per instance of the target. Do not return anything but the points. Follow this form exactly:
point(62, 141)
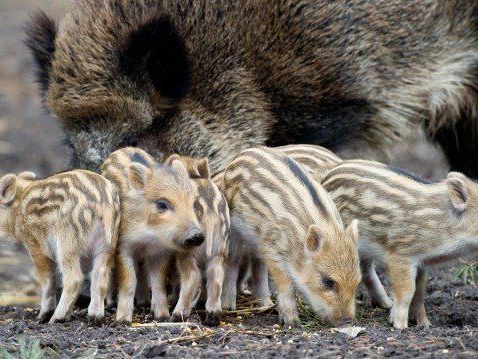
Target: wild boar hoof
point(212, 319)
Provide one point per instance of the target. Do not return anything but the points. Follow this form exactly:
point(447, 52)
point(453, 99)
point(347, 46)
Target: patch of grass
point(468, 273)
point(27, 350)
point(308, 319)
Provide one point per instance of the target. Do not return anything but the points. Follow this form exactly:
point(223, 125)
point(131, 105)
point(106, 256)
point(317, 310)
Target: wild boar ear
point(27, 175)
point(157, 49)
point(41, 32)
point(202, 168)
point(458, 190)
point(314, 239)
point(352, 231)
point(138, 175)
point(8, 188)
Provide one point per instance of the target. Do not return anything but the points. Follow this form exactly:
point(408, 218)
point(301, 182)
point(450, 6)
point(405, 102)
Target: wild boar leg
point(190, 279)
point(417, 307)
point(376, 291)
point(402, 276)
point(158, 271)
point(46, 275)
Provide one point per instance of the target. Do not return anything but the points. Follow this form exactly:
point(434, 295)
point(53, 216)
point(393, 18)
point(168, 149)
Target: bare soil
point(452, 308)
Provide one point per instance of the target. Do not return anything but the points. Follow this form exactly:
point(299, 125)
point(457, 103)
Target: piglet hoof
point(96, 320)
point(178, 318)
point(384, 303)
point(45, 317)
point(59, 320)
point(423, 322)
point(143, 308)
point(266, 303)
point(121, 323)
point(228, 304)
point(123, 320)
point(163, 318)
point(212, 319)
point(289, 323)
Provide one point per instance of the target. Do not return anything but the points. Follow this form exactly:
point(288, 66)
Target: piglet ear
point(27, 175)
point(8, 188)
point(352, 232)
point(314, 239)
point(179, 166)
point(138, 175)
point(458, 190)
point(172, 158)
point(202, 168)
point(197, 168)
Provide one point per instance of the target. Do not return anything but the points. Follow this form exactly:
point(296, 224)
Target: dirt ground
point(31, 140)
point(452, 308)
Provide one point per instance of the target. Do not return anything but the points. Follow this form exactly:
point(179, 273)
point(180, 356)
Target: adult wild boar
point(210, 78)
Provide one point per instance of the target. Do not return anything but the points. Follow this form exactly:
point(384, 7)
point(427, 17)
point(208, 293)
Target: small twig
point(164, 325)
point(77, 330)
point(188, 338)
point(252, 332)
point(461, 343)
point(249, 310)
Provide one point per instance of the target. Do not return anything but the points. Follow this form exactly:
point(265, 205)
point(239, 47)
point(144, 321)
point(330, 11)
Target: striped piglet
point(406, 224)
point(158, 224)
point(69, 222)
point(287, 220)
point(213, 214)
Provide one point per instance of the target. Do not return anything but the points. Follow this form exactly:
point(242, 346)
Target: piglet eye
point(162, 206)
point(328, 282)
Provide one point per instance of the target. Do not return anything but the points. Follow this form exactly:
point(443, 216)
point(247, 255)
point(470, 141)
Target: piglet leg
point(402, 275)
point(126, 286)
point(260, 283)
point(46, 274)
point(72, 278)
point(417, 307)
point(190, 279)
point(158, 270)
point(376, 291)
point(286, 302)
point(215, 279)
